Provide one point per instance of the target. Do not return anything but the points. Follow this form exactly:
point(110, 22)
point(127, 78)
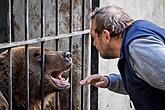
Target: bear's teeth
point(65, 81)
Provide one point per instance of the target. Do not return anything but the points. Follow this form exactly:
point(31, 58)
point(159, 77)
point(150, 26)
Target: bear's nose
point(68, 55)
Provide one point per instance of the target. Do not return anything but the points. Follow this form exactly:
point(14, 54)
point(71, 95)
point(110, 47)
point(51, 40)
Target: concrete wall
point(153, 10)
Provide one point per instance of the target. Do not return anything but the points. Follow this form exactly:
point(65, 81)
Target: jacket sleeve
point(147, 57)
point(116, 84)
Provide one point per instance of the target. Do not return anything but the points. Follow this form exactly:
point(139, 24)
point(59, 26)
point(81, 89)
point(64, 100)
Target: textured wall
point(153, 10)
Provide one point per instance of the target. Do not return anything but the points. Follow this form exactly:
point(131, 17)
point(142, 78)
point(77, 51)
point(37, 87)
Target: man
point(140, 45)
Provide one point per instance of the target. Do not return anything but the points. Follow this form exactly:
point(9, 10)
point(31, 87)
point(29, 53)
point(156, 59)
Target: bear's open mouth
point(58, 80)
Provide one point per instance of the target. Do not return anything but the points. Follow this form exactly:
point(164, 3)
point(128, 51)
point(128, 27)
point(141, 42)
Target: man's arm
point(116, 84)
point(113, 82)
point(147, 56)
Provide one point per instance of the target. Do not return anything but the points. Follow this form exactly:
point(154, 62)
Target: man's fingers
point(101, 84)
point(98, 84)
point(82, 82)
point(95, 80)
point(86, 81)
point(92, 79)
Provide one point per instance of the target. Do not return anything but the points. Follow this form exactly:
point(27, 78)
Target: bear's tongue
point(59, 81)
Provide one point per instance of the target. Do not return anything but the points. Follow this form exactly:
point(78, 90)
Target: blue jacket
point(143, 95)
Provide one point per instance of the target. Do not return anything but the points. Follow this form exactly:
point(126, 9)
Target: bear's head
point(55, 64)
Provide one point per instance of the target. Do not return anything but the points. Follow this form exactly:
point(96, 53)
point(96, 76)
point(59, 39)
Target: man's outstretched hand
point(95, 80)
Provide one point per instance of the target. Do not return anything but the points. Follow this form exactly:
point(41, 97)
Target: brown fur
point(54, 61)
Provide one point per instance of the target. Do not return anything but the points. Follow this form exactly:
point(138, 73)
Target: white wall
point(109, 100)
point(153, 10)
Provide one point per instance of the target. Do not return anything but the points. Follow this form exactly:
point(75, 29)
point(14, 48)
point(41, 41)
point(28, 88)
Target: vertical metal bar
point(42, 53)
point(57, 32)
point(57, 22)
point(42, 75)
point(27, 52)
point(27, 75)
point(10, 78)
point(95, 3)
point(70, 49)
point(94, 68)
point(82, 61)
point(57, 17)
point(10, 21)
point(10, 55)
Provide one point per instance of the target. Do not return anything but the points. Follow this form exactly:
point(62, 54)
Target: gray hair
point(111, 18)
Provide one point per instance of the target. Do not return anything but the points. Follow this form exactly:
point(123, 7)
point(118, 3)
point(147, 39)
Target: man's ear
point(107, 36)
point(3, 55)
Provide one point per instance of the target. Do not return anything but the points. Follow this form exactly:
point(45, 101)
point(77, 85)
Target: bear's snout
point(68, 55)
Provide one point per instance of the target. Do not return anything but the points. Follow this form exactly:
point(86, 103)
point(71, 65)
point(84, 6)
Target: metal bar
point(57, 22)
point(10, 55)
point(70, 77)
point(71, 17)
point(82, 61)
point(10, 78)
point(27, 75)
point(57, 17)
point(56, 33)
point(10, 21)
point(57, 44)
point(42, 53)
point(42, 75)
point(26, 19)
point(38, 40)
point(95, 3)
point(27, 53)
point(70, 49)
point(94, 68)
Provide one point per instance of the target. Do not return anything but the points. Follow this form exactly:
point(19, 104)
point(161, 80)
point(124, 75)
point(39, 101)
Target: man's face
point(100, 41)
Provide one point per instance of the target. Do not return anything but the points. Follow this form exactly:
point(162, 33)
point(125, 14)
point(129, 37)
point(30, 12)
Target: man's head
point(107, 25)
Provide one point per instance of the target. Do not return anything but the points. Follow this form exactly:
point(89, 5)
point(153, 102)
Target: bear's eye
point(36, 54)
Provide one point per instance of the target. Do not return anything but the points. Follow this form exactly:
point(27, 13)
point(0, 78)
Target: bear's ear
point(3, 55)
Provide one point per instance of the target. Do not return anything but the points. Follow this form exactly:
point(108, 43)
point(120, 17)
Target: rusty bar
point(10, 78)
point(38, 40)
point(42, 75)
point(26, 10)
point(94, 67)
point(56, 33)
point(27, 75)
point(42, 53)
point(10, 20)
point(10, 11)
point(82, 61)
point(57, 17)
point(70, 49)
point(57, 22)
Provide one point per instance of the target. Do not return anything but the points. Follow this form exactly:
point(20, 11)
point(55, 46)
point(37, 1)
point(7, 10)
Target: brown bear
point(56, 63)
